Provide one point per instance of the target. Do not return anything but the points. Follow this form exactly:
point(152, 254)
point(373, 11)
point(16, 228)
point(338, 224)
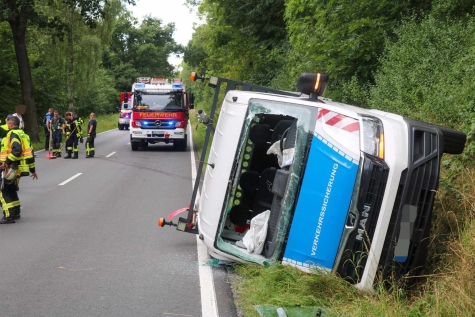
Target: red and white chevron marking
point(339, 121)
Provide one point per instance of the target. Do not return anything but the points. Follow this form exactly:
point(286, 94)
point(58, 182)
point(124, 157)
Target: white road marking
point(70, 179)
point(209, 307)
point(111, 154)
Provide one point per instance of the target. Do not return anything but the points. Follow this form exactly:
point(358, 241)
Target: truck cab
point(159, 113)
point(306, 181)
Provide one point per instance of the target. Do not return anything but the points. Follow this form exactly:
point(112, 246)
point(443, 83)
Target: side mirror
point(203, 118)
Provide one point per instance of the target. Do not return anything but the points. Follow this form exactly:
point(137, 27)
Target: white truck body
point(317, 184)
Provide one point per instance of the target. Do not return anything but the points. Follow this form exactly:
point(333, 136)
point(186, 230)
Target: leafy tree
point(140, 50)
point(428, 73)
point(18, 13)
point(8, 73)
point(241, 39)
point(345, 38)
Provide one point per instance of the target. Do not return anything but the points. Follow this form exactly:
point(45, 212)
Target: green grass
point(447, 290)
point(104, 123)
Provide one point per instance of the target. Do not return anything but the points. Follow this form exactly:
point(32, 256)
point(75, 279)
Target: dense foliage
point(80, 55)
point(413, 58)
point(408, 57)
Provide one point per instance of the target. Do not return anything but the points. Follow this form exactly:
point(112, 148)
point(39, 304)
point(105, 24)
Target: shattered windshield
point(266, 175)
point(158, 101)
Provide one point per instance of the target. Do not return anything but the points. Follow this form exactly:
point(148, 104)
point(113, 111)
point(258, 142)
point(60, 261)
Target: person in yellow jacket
point(13, 149)
point(4, 128)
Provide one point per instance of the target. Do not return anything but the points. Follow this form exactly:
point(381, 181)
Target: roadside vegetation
point(416, 59)
point(77, 55)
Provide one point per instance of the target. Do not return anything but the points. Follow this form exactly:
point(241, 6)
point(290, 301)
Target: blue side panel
point(322, 206)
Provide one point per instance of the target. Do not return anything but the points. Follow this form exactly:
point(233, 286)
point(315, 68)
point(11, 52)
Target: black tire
point(454, 140)
point(135, 146)
point(144, 144)
point(180, 145)
point(185, 143)
point(120, 126)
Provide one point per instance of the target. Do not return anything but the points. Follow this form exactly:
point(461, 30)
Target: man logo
point(364, 218)
point(158, 123)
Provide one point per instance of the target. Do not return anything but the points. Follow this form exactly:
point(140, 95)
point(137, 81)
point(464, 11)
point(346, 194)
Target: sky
point(168, 11)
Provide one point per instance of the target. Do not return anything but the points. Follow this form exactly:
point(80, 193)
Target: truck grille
point(416, 188)
point(374, 175)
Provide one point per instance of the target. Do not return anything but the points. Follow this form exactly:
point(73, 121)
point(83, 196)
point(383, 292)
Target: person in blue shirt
point(46, 123)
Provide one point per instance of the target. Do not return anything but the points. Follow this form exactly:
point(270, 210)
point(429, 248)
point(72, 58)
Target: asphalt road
point(91, 247)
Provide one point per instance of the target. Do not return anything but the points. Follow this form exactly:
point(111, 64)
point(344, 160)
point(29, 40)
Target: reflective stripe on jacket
point(15, 147)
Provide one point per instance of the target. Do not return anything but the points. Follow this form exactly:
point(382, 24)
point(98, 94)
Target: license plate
point(158, 133)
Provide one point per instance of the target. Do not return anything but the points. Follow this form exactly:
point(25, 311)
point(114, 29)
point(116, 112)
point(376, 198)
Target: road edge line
point(209, 307)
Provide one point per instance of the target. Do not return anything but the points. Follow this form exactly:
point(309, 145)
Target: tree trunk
point(70, 59)
point(18, 25)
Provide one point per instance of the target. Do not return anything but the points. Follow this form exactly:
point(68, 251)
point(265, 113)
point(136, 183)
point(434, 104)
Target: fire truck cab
point(159, 113)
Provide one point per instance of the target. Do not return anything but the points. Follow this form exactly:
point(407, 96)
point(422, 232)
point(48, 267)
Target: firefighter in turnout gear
point(3, 130)
point(71, 136)
point(79, 135)
point(57, 130)
point(14, 148)
point(91, 135)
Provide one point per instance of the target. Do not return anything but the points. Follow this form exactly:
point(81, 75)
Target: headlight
point(372, 136)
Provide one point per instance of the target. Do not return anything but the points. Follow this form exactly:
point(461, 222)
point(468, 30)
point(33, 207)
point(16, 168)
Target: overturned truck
point(303, 180)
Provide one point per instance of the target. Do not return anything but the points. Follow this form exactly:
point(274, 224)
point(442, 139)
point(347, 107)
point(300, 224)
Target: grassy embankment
point(104, 123)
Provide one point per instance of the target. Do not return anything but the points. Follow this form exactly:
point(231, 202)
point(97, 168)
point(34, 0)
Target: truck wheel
point(135, 146)
point(120, 126)
point(179, 145)
point(144, 144)
point(185, 143)
point(454, 140)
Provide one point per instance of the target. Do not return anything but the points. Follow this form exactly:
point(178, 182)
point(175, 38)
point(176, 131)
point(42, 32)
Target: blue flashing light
point(178, 86)
point(145, 122)
point(139, 85)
